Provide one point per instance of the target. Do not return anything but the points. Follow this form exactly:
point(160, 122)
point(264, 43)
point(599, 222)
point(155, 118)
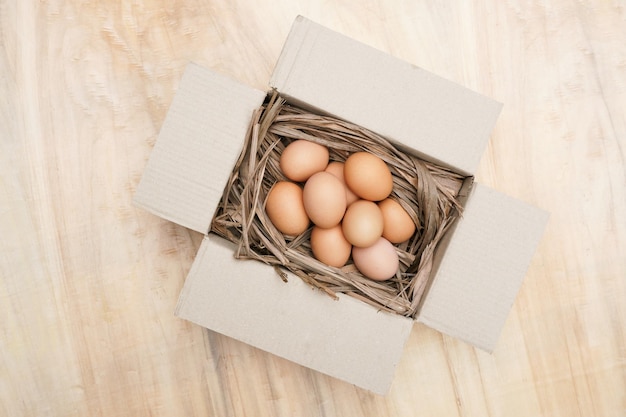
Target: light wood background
point(88, 283)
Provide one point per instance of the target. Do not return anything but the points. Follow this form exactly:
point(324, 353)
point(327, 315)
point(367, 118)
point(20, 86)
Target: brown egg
point(324, 199)
point(302, 158)
point(397, 224)
point(368, 176)
point(285, 208)
point(336, 168)
point(330, 246)
point(378, 262)
point(363, 223)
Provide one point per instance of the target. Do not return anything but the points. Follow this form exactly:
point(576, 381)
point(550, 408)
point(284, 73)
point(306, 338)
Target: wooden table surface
point(88, 283)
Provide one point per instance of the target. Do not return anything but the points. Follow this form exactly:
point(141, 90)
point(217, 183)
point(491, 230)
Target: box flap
point(198, 145)
point(248, 301)
point(483, 267)
point(445, 122)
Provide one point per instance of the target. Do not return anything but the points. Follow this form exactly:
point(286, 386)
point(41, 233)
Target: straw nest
point(426, 191)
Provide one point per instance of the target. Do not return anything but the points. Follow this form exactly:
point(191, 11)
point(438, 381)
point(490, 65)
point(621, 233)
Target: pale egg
point(368, 176)
point(378, 262)
point(363, 223)
point(285, 208)
point(397, 224)
point(330, 246)
point(324, 199)
point(336, 168)
point(302, 158)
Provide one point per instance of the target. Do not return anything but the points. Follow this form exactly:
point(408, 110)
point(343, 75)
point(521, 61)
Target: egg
point(330, 246)
point(324, 199)
point(397, 224)
point(285, 208)
point(336, 168)
point(302, 158)
point(368, 176)
point(363, 223)
point(378, 262)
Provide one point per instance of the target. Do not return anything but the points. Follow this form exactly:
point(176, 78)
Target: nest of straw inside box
point(426, 191)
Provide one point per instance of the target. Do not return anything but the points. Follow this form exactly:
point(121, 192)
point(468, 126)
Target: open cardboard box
point(478, 267)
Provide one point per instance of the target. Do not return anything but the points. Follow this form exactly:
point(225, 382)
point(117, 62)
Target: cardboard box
point(478, 267)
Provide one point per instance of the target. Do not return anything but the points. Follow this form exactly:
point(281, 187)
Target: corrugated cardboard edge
point(485, 261)
point(199, 143)
point(441, 120)
point(246, 300)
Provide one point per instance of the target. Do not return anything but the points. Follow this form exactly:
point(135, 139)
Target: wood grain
point(88, 283)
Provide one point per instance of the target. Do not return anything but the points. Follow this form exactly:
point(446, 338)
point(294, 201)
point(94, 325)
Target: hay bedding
point(426, 191)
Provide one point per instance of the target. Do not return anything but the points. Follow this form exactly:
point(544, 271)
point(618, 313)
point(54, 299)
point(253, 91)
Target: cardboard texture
point(482, 269)
point(438, 119)
point(246, 300)
point(478, 270)
point(201, 137)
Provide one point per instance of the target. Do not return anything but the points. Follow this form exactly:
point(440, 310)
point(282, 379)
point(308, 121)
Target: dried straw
point(426, 191)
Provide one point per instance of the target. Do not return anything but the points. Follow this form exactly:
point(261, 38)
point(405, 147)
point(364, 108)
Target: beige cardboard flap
point(483, 267)
point(199, 142)
point(248, 301)
point(442, 120)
